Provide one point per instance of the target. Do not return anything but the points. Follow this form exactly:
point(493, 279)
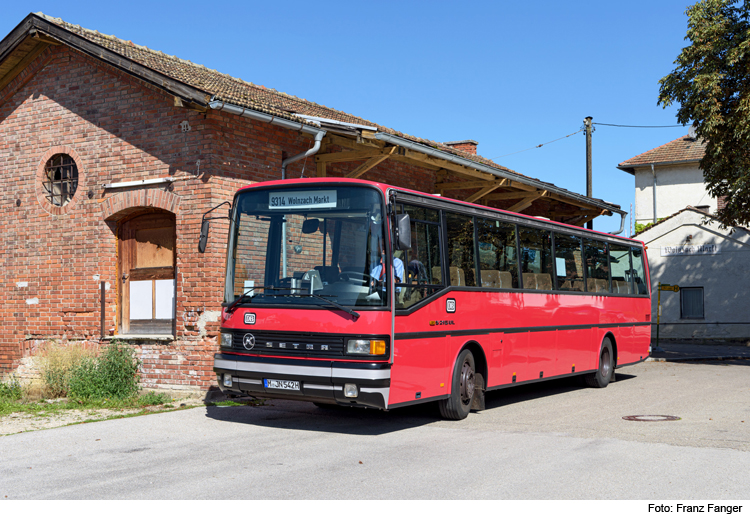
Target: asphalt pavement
point(661, 430)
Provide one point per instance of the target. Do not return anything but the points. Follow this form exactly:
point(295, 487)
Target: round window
point(61, 179)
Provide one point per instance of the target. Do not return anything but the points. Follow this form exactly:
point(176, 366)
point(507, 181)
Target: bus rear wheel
point(601, 377)
point(458, 404)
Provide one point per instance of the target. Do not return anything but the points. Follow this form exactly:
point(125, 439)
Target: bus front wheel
point(601, 377)
point(458, 404)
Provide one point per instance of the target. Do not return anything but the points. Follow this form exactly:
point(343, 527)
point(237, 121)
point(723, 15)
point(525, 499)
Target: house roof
point(198, 85)
point(685, 149)
point(689, 208)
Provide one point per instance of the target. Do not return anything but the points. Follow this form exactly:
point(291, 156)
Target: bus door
point(420, 367)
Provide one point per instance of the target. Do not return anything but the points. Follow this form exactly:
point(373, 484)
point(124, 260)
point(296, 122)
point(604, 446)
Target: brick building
point(111, 153)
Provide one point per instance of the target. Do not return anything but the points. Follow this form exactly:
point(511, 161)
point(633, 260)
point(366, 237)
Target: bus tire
point(601, 377)
point(458, 404)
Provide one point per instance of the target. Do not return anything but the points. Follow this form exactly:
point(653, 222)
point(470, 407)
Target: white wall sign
point(682, 251)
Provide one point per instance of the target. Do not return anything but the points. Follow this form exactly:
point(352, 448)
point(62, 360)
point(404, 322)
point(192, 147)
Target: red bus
point(363, 294)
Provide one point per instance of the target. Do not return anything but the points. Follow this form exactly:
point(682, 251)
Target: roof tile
point(683, 149)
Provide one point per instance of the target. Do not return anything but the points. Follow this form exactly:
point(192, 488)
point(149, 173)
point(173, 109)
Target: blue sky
point(508, 74)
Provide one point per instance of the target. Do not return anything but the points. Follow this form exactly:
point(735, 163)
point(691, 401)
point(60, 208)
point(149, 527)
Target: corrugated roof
point(681, 150)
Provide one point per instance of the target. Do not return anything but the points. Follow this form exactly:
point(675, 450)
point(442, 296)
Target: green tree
point(711, 83)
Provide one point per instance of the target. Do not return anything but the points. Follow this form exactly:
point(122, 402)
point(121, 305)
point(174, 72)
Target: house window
point(691, 303)
point(147, 272)
point(61, 179)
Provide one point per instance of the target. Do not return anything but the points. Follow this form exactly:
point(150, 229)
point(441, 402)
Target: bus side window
point(460, 242)
point(498, 265)
point(536, 258)
point(597, 266)
point(638, 274)
point(569, 262)
point(619, 263)
point(423, 265)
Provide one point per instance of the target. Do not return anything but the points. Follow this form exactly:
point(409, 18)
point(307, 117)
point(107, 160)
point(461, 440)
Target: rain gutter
point(318, 133)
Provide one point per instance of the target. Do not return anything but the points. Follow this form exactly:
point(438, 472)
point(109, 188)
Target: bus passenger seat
point(543, 281)
point(529, 281)
point(506, 279)
point(490, 279)
point(457, 276)
point(602, 285)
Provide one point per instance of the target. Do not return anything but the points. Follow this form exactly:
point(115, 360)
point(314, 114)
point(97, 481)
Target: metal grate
point(61, 179)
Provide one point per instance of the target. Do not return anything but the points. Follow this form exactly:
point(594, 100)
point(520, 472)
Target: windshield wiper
point(316, 296)
point(245, 295)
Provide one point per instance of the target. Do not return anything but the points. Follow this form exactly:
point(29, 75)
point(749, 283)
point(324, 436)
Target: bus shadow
point(304, 416)
point(542, 389)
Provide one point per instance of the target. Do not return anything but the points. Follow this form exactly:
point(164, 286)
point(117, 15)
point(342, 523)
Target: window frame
point(703, 303)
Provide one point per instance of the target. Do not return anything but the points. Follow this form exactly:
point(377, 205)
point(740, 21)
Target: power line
point(537, 146)
point(639, 126)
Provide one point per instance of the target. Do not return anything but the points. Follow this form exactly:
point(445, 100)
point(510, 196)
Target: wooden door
point(147, 274)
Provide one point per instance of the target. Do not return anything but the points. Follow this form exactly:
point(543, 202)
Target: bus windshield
point(307, 245)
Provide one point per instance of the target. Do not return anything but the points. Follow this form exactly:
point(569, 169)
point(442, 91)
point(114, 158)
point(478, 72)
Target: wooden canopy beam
point(369, 164)
point(486, 190)
point(526, 202)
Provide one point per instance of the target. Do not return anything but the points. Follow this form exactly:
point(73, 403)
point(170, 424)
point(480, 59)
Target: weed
point(153, 398)
point(57, 363)
point(114, 374)
point(11, 390)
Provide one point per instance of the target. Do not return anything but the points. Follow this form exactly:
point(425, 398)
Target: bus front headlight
point(226, 339)
point(366, 347)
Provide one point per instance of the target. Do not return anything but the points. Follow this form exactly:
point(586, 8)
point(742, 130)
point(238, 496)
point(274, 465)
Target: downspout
point(653, 173)
point(622, 224)
point(317, 132)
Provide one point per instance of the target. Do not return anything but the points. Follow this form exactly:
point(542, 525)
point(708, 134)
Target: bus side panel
point(575, 348)
point(516, 359)
point(420, 370)
point(542, 356)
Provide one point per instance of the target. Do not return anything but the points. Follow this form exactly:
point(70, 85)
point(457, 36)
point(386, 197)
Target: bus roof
point(385, 187)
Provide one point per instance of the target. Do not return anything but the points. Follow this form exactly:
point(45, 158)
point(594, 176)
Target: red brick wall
point(120, 129)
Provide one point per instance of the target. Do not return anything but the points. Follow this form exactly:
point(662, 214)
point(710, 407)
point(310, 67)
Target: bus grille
point(289, 343)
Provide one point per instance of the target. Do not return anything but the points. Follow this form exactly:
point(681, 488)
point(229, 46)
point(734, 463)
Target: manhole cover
point(651, 418)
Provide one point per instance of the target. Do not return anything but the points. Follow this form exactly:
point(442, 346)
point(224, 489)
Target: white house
point(668, 178)
point(687, 248)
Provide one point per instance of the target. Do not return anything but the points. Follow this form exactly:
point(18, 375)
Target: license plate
point(281, 384)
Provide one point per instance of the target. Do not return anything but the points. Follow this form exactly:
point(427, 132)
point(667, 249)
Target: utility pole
point(589, 185)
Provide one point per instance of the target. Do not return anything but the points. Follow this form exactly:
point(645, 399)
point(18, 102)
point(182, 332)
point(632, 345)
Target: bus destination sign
point(312, 199)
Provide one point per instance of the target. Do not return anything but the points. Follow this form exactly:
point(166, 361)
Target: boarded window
point(147, 271)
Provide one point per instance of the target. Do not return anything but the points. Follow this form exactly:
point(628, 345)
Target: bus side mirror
point(403, 231)
point(203, 240)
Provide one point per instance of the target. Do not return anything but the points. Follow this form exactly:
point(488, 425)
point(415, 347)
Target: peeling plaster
point(32, 301)
point(207, 317)
point(22, 284)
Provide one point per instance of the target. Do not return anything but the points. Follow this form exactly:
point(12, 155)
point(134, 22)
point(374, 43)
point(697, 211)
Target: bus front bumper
point(320, 381)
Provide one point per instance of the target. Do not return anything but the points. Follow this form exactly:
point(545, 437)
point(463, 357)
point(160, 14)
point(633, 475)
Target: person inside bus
point(378, 271)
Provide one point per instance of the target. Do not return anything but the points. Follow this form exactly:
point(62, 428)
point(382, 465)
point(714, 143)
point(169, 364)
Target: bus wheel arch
point(613, 341)
point(480, 360)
